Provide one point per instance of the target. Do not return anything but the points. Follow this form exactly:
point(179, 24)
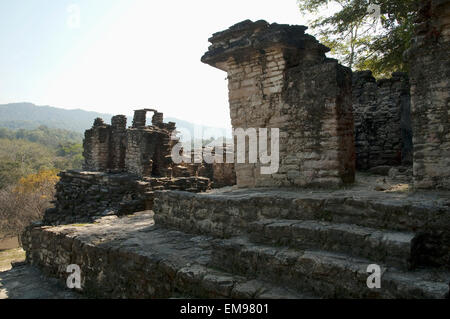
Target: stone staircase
point(330, 260)
point(257, 244)
point(295, 243)
point(381, 246)
point(324, 273)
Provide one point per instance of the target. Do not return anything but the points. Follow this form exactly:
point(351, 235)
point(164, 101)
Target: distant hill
point(29, 116)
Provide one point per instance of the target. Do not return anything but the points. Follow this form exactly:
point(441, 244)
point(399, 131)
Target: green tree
point(360, 39)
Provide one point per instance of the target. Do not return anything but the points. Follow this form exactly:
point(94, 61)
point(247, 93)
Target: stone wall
point(142, 150)
point(279, 77)
point(429, 59)
point(148, 152)
point(96, 146)
point(118, 138)
point(83, 196)
point(382, 112)
point(220, 173)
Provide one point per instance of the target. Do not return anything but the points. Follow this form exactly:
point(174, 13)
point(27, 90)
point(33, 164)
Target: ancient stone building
point(429, 59)
point(104, 145)
point(382, 112)
point(123, 167)
point(220, 172)
point(260, 243)
point(86, 196)
point(142, 150)
point(149, 147)
point(279, 77)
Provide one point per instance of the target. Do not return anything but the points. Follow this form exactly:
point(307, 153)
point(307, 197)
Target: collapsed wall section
point(104, 145)
point(220, 172)
point(279, 77)
point(84, 196)
point(96, 146)
point(148, 152)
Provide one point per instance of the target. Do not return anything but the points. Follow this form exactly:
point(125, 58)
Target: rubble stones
point(84, 196)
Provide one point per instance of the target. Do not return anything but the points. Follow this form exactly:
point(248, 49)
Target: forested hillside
point(29, 163)
point(30, 116)
point(24, 152)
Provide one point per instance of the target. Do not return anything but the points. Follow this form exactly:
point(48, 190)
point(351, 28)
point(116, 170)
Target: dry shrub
point(26, 202)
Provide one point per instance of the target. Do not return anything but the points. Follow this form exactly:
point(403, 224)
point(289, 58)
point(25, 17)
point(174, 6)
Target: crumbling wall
point(96, 146)
point(141, 150)
point(118, 142)
point(279, 77)
point(429, 61)
point(382, 112)
point(104, 145)
point(221, 173)
point(83, 196)
point(148, 152)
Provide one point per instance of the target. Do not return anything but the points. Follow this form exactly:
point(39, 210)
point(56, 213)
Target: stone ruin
point(124, 166)
point(141, 150)
point(430, 96)
point(279, 77)
point(382, 113)
point(277, 241)
point(220, 174)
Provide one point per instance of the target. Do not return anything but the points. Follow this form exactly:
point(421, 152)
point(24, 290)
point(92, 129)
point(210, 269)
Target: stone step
point(230, 212)
point(198, 281)
point(130, 257)
point(326, 274)
point(392, 248)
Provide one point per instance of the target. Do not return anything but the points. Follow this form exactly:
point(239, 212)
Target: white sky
point(134, 54)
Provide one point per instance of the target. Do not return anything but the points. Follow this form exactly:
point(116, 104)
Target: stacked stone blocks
point(279, 77)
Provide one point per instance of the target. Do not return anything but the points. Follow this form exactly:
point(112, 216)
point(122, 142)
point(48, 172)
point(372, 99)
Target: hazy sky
point(123, 54)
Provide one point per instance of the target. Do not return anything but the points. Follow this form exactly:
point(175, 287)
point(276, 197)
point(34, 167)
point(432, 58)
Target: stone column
point(429, 58)
point(139, 118)
point(158, 118)
point(279, 77)
point(118, 142)
point(96, 146)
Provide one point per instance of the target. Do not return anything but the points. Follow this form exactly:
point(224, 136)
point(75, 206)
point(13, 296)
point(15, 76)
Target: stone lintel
point(247, 37)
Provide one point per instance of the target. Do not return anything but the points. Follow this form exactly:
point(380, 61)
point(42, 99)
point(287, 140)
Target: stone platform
point(260, 243)
point(129, 257)
point(404, 228)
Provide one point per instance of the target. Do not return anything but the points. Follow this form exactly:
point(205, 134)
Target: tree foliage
point(25, 152)
point(26, 202)
point(360, 39)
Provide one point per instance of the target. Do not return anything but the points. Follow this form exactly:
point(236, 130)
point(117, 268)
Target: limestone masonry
point(279, 77)
point(430, 96)
point(140, 226)
point(382, 113)
point(124, 166)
